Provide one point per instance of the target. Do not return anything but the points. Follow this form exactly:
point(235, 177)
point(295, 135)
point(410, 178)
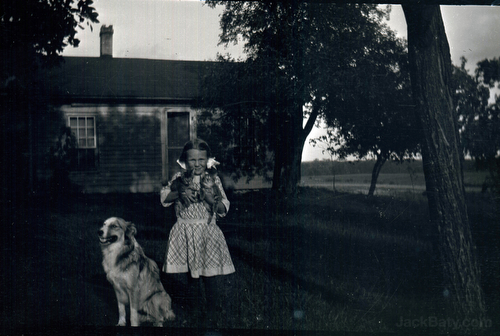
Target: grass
point(471, 179)
point(330, 262)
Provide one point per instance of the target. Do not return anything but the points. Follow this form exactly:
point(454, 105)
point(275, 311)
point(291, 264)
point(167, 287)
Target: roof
point(99, 79)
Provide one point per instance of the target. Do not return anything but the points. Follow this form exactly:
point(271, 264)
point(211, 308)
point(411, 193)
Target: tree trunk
point(430, 65)
point(381, 159)
point(287, 171)
point(287, 158)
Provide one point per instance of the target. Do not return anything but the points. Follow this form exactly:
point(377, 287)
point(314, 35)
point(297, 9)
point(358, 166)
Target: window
point(84, 131)
point(177, 135)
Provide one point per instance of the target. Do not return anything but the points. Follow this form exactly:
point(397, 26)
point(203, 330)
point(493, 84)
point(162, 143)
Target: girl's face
point(196, 160)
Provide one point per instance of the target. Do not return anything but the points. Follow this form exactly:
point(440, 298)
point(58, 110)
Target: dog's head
point(114, 230)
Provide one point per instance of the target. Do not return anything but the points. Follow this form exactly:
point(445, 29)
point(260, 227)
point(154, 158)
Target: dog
point(135, 277)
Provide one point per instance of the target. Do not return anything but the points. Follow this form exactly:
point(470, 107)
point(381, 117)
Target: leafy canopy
point(295, 54)
point(479, 120)
point(40, 29)
point(33, 33)
point(374, 114)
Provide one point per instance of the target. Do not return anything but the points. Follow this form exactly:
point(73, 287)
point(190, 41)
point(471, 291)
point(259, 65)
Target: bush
point(62, 155)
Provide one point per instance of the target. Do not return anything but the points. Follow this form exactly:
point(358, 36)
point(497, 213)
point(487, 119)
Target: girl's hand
point(209, 196)
point(187, 196)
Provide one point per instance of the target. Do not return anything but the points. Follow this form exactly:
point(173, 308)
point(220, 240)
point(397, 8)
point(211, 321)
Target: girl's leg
point(212, 295)
point(193, 294)
point(182, 289)
point(212, 292)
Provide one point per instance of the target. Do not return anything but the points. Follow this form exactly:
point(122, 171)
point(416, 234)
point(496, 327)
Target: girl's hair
point(198, 144)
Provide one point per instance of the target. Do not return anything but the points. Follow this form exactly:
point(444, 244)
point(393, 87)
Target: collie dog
point(135, 277)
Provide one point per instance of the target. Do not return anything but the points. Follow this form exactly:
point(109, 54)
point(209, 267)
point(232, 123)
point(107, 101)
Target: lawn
point(329, 262)
point(387, 183)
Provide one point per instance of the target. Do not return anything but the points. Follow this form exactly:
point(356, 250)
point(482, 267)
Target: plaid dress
point(194, 245)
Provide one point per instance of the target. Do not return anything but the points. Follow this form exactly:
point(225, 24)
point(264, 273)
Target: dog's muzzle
point(107, 240)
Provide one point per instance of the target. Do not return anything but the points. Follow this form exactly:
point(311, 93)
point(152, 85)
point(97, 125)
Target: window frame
point(86, 130)
point(81, 164)
point(166, 147)
point(180, 146)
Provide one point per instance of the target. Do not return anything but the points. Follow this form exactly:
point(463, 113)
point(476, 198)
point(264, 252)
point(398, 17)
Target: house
point(131, 117)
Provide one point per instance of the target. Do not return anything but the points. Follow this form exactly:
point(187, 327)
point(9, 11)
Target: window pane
point(84, 130)
point(178, 129)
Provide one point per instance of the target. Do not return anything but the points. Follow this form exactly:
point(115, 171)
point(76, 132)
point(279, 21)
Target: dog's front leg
point(122, 299)
point(134, 316)
point(122, 314)
point(134, 310)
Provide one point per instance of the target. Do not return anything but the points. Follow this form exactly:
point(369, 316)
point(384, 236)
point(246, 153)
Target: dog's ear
point(131, 230)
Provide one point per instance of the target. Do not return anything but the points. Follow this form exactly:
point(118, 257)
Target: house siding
point(131, 101)
point(129, 147)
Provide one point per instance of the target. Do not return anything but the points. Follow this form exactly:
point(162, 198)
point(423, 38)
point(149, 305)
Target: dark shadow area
point(315, 258)
point(53, 273)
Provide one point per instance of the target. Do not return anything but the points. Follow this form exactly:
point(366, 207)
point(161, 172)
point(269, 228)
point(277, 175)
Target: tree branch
point(311, 121)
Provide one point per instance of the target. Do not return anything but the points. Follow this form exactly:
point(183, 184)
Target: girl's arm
point(171, 197)
point(223, 204)
point(167, 196)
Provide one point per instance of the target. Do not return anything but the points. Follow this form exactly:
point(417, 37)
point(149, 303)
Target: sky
point(189, 30)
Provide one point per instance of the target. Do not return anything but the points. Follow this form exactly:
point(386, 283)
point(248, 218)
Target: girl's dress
point(194, 244)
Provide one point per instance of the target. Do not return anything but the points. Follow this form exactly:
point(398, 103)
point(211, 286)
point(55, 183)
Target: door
point(177, 132)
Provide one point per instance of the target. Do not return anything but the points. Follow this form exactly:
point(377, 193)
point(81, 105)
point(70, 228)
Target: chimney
point(106, 36)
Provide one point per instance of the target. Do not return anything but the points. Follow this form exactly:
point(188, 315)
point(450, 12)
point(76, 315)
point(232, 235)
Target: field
point(387, 184)
point(330, 262)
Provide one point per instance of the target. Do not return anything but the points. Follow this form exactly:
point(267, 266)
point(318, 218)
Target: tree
point(482, 122)
point(33, 34)
point(235, 115)
point(431, 73)
point(488, 71)
point(36, 32)
point(294, 52)
point(470, 99)
point(374, 114)
point(327, 143)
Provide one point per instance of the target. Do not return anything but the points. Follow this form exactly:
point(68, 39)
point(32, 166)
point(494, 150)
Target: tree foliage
point(374, 113)
point(479, 120)
point(33, 33)
point(40, 30)
point(488, 71)
point(373, 107)
point(295, 52)
point(235, 117)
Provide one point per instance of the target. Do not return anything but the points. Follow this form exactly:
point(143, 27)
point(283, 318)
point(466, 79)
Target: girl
point(196, 244)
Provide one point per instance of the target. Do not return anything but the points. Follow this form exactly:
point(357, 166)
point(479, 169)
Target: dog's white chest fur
point(112, 272)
